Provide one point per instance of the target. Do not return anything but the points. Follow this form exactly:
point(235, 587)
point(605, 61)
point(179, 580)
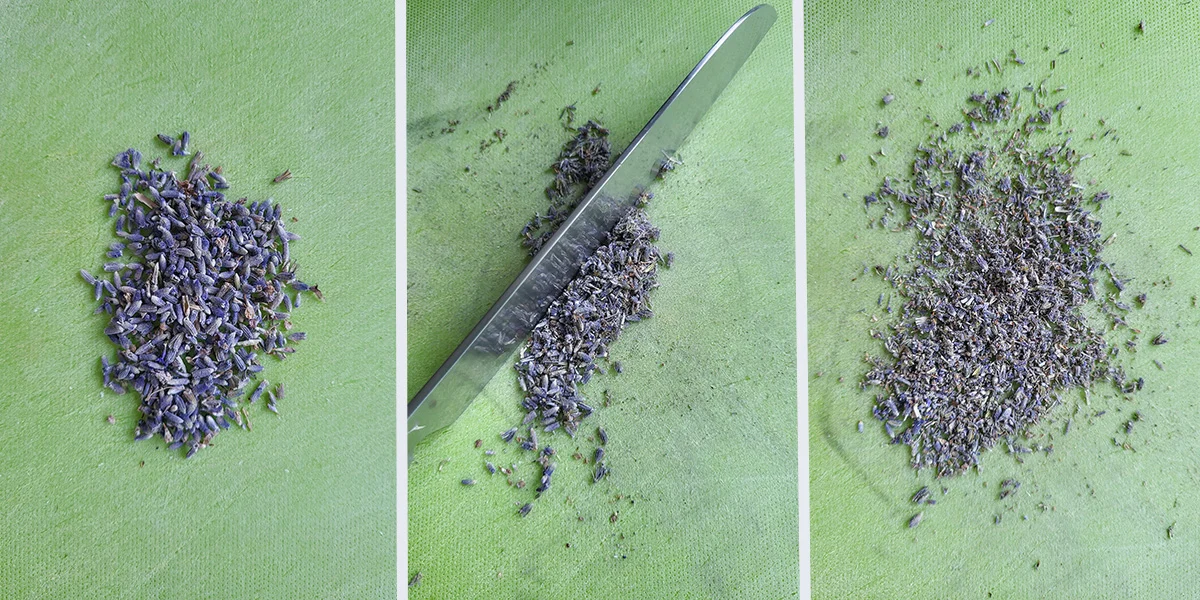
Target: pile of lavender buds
point(610, 291)
point(198, 295)
point(991, 330)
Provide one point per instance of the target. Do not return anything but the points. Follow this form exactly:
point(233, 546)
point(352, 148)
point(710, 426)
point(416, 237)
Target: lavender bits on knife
point(194, 297)
point(582, 162)
point(610, 291)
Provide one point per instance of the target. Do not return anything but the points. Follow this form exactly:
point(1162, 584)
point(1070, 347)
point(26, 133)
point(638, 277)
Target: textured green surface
point(1103, 533)
point(303, 506)
point(702, 427)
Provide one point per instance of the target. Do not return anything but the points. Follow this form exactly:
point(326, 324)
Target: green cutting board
point(304, 505)
point(702, 424)
point(1091, 519)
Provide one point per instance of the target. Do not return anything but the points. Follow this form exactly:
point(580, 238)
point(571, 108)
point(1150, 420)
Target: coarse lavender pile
point(992, 327)
point(199, 298)
point(610, 291)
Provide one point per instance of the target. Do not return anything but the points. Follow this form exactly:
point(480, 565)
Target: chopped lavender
point(194, 305)
point(991, 328)
point(610, 290)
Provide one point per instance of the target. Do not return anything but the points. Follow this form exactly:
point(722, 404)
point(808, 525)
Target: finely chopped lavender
point(991, 328)
point(202, 297)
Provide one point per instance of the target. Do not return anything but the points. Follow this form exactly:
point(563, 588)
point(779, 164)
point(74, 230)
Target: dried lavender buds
point(198, 295)
point(991, 328)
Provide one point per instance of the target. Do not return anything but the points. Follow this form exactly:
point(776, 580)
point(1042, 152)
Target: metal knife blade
point(491, 343)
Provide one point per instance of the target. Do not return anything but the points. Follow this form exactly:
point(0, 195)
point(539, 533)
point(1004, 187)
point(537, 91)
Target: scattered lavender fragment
point(196, 303)
point(503, 97)
point(262, 386)
point(1008, 487)
point(583, 161)
point(921, 495)
point(547, 471)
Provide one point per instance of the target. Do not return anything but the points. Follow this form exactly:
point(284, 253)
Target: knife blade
point(493, 340)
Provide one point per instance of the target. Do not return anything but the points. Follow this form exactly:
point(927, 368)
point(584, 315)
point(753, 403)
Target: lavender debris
point(503, 97)
point(580, 165)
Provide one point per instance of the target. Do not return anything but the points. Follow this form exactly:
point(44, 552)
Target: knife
point(493, 340)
